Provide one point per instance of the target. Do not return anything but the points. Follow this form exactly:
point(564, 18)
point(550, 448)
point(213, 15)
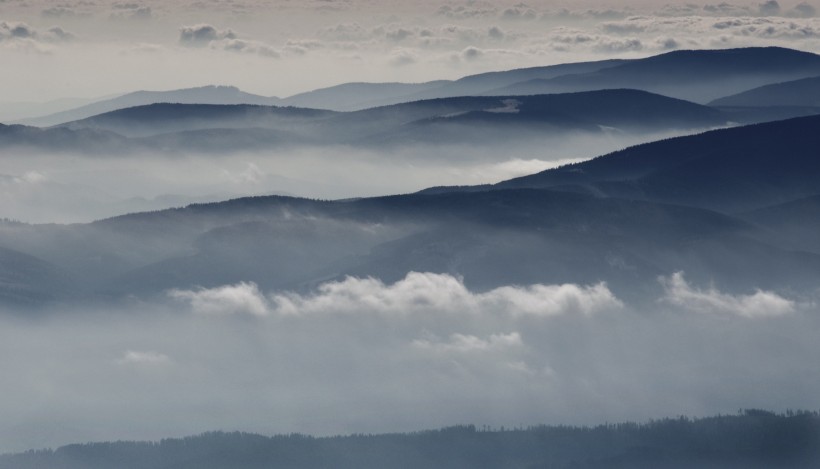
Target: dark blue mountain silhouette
point(200, 95)
point(456, 120)
point(729, 169)
point(358, 96)
point(156, 118)
point(695, 75)
point(797, 93)
point(61, 139)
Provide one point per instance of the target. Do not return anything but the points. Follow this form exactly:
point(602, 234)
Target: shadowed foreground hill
point(728, 170)
point(490, 238)
point(753, 439)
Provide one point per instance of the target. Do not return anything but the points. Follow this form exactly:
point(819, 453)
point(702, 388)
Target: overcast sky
point(56, 49)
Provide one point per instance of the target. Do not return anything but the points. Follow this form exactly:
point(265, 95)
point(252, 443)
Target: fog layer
point(359, 355)
point(40, 187)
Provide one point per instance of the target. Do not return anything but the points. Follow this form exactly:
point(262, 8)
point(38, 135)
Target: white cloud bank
point(416, 292)
point(79, 375)
point(760, 304)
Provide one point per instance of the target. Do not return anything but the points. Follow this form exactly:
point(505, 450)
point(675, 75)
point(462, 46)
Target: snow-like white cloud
point(417, 292)
point(759, 304)
point(443, 292)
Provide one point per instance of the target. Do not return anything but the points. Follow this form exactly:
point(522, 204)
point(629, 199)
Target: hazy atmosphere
point(363, 356)
point(62, 49)
point(60, 55)
point(341, 217)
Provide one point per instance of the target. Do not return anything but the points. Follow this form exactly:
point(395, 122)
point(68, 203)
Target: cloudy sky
point(77, 48)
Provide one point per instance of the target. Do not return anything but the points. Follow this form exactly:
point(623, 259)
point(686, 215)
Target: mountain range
point(629, 100)
point(726, 205)
point(208, 127)
point(700, 76)
point(707, 204)
point(678, 268)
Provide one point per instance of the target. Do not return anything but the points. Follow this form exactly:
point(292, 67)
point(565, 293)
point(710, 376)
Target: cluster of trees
point(750, 439)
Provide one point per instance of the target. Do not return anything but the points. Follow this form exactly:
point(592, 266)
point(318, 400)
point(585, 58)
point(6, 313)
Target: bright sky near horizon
point(60, 49)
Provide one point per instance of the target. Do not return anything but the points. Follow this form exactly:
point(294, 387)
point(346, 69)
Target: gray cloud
point(248, 46)
point(658, 34)
point(60, 34)
point(473, 10)
point(19, 31)
point(770, 28)
point(202, 34)
point(58, 12)
point(625, 27)
point(401, 57)
point(609, 45)
point(519, 13)
point(16, 30)
point(769, 8)
point(471, 53)
point(131, 12)
point(804, 10)
point(725, 9)
point(344, 32)
point(589, 15)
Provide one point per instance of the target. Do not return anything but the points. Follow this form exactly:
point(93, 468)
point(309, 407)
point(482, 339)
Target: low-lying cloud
point(417, 292)
point(360, 355)
point(712, 301)
point(242, 298)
